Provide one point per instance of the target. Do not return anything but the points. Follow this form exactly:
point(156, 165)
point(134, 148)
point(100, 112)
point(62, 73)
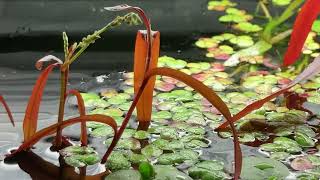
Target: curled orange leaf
point(31, 115)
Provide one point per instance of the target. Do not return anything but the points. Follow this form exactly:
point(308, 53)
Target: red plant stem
point(147, 24)
point(301, 28)
point(82, 112)
point(200, 88)
point(6, 107)
point(63, 92)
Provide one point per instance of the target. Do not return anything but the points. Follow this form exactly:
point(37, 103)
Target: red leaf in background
point(301, 28)
point(82, 112)
point(7, 109)
point(31, 115)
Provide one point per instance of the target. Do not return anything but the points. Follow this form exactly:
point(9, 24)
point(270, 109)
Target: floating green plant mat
point(181, 119)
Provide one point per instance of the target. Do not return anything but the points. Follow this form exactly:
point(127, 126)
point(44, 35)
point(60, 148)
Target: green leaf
point(146, 170)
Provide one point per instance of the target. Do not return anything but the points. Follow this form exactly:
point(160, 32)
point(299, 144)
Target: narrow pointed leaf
point(301, 28)
point(6, 107)
point(82, 112)
point(31, 115)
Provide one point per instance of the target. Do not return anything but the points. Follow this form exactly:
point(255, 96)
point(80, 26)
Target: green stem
point(265, 10)
point(91, 39)
point(279, 37)
point(289, 12)
point(63, 92)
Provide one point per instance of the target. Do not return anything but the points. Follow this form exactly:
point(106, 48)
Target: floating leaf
point(128, 174)
point(304, 140)
point(242, 41)
point(253, 169)
point(117, 161)
point(279, 155)
point(78, 156)
point(151, 151)
point(146, 170)
point(301, 164)
point(141, 135)
point(247, 27)
point(211, 168)
point(220, 5)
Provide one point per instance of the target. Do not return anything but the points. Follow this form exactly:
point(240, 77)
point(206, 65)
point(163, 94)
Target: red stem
point(82, 112)
point(5, 105)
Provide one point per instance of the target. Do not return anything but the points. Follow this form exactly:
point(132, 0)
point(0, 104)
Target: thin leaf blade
point(82, 112)
point(6, 107)
point(31, 114)
point(301, 28)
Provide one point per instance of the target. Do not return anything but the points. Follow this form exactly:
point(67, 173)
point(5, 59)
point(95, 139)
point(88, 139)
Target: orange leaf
point(82, 112)
point(301, 28)
point(31, 115)
point(144, 106)
point(5, 105)
point(53, 128)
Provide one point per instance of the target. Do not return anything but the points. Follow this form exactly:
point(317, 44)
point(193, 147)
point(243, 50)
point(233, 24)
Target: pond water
point(280, 140)
point(172, 101)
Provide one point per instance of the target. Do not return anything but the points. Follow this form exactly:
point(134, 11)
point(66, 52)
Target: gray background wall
point(30, 29)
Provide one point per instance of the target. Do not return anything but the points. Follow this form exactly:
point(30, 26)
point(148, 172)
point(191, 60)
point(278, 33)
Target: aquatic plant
point(31, 135)
point(269, 35)
point(146, 55)
point(146, 69)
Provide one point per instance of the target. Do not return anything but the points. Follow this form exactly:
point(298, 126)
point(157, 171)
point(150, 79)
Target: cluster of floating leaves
point(181, 118)
point(220, 5)
point(221, 47)
point(311, 47)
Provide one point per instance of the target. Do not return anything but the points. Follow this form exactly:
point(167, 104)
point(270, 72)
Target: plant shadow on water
point(191, 106)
